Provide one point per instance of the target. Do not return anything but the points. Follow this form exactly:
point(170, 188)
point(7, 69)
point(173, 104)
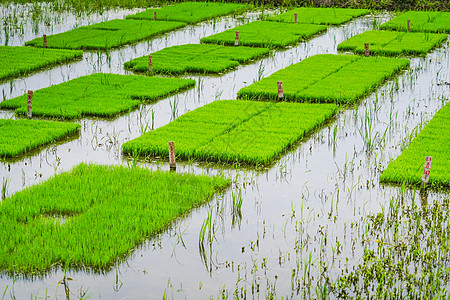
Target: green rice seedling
point(103, 95)
point(106, 35)
point(196, 58)
point(190, 12)
point(266, 34)
point(17, 61)
point(321, 16)
point(393, 43)
point(234, 131)
point(421, 21)
point(327, 78)
point(434, 141)
point(107, 212)
point(20, 136)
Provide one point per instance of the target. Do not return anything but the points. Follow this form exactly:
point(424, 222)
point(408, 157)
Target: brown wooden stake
point(173, 165)
point(45, 41)
point(29, 103)
point(280, 89)
point(295, 18)
point(366, 49)
point(236, 39)
point(154, 16)
point(150, 63)
point(409, 25)
point(426, 171)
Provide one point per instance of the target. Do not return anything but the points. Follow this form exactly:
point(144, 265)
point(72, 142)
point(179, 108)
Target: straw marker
point(236, 39)
point(29, 103)
point(366, 49)
point(426, 171)
point(173, 165)
point(45, 41)
point(280, 89)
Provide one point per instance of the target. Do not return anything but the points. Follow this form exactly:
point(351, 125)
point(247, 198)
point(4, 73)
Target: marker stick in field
point(150, 63)
point(173, 165)
point(154, 16)
point(236, 39)
point(29, 103)
point(280, 89)
point(366, 49)
point(409, 25)
point(426, 171)
point(295, 18)
point(45, 41)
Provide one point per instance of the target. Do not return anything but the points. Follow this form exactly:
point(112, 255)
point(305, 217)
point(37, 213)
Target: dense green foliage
point(196, 58)
point(234, 131)
point(16, 61)
point(393, 42)
point(265, 34)
point(190, 12)
point(421, 21)
point(433, 140)
point(326, 78)
point(321, 16)
point(106, 35)
point(103, 95)
point(93, 215)
point(20, 136)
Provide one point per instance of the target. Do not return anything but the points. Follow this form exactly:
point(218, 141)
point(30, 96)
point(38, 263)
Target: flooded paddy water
point(289, 230)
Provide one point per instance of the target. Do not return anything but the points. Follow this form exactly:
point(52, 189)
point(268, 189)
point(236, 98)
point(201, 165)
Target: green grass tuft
point(17, 61)
point(196, 58)
point(421, 21)
point(234, 131)
point(433, 140)
point(102, 95)
point(321, 16)
point(106, 35)
point(326, 78)
point(190, 12)
point(20, 136)
point(266, 34)
point(393, 43)
point(93, 215)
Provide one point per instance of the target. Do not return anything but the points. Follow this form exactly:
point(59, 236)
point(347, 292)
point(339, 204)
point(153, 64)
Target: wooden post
point(366, 49)
point(409, 25)
point(236, 39)
point(150, 63)
point(426, 171)
point(45, 41)
point(173, 165)
point(295, 18)
point(154, 16)
point(29, 103)
point(280, 90)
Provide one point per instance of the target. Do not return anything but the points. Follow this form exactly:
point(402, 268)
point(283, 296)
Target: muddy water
point(299, 218)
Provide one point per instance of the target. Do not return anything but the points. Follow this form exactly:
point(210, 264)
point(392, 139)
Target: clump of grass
point(191, 12)
point(103, 95)
point(196, 58)
point(266, 34)
point(327, 78)
point(421, 21)
point(434, 141)
point(107, 211)
point(106, 35)
point(393, 43)
point(234, 131)
point(20, 136)
point(17, 61)
point(322, 16)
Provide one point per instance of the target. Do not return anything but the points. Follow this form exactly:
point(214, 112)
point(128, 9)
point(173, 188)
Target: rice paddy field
point(420, 21)
point(320, 16)
point(195, 58)
point(316, 222)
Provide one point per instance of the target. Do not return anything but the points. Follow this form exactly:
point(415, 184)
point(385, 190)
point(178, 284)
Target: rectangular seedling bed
point(265, 34)
point(94, 215)
point(326, 78)
point(393, 42)
point(106, 35)
point(420, 21)
point(434, 141)
point(321, 16)
point(234, 131)
point(190, 12)
point(101, 95)
point(195, 58)
point(16, 61)
point(21, 136)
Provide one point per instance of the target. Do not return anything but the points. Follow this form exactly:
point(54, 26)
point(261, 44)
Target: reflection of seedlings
point(174, 108)
point(4, 187)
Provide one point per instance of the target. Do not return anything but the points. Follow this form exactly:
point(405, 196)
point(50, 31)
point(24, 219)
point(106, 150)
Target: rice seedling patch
point(233, 131)
point(393, 42)
point(16, 61)
point(107, 212)
point(190, 12)
point(106, 35)
point(420, 21)
point(20, 136)
point(102, 95)
point(434, 141)
point(195, 58)
point(321, 16)
point(265, 34)
point(326, 78)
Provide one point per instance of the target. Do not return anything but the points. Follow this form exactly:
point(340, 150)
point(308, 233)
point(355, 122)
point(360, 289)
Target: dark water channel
point(304, 212)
